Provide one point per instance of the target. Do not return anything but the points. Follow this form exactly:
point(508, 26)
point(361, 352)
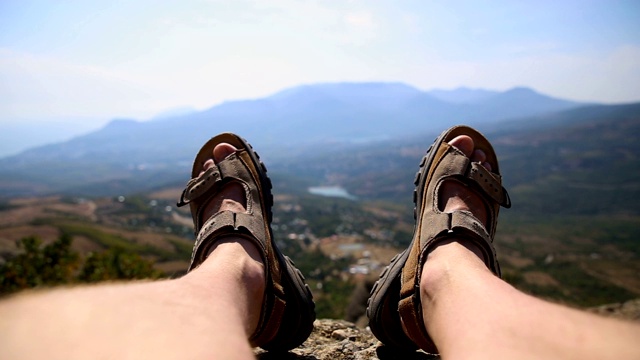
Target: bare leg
point(472, 314)
point(209, 313)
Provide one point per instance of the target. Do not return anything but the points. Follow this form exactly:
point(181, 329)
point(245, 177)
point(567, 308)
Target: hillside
point(574, 157)
point(582, 260)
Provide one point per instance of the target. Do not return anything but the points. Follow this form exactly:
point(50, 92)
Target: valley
point(338, 243)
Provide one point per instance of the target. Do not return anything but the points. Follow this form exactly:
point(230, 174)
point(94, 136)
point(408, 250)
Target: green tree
point(56, 263)
point(50, 265)
point(116, 263)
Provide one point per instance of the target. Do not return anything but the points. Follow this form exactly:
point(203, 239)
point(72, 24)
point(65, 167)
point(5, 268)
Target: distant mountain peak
point(120, 123)
point(522, 90)
point(174, 112)
point(345, 94)
point(360, 85)
point(530, 94)
point(349, 88)
point(372, 85)
point(462, 95)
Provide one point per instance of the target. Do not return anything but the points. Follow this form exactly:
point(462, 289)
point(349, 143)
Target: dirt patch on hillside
point(9, 236)
point(173, 268)
point(30, 209)
point(167, 194)
point(85, 245)
point(607, 270)
point(516, 261)
point(540, 278)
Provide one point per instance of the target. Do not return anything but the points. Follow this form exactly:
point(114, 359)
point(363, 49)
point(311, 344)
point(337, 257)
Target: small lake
point(351, 247)
point(331, 191)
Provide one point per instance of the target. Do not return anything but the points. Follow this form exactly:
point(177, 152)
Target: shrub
point(57, 264)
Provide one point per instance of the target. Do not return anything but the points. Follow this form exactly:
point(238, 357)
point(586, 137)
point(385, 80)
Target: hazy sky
point(92, 61)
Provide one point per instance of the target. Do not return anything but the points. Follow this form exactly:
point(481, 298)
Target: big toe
point(222, 150)
point(463, 143)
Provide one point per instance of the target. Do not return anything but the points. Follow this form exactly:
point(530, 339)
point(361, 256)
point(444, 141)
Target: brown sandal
point(396, 295)
point(287, 315)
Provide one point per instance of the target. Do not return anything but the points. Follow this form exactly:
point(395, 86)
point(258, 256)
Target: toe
point(206, 166)
point(222, 150)
point(463, 143)
point(480, 157)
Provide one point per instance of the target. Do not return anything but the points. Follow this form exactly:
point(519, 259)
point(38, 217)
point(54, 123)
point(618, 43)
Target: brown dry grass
point(516, 261)
point(173, 267)
point(9, 235)
point(611, 271)
point(30, 209)
point(540, 278)
point(381, 254)
point(167, 194)
point(16, 224)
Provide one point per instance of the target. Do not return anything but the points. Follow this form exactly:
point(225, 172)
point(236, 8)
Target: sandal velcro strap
point(455, 163)
point(231, 224)
point(226, 169)
point(490, 183)
point(200, 185)
point(447, 224)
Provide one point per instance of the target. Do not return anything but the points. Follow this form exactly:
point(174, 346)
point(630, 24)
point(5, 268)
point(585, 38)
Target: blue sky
point(85, 62)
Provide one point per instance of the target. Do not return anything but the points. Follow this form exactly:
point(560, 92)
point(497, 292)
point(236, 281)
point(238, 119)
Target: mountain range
point(131, 155)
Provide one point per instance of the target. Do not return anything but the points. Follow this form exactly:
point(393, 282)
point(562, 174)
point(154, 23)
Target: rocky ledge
point(341, 340)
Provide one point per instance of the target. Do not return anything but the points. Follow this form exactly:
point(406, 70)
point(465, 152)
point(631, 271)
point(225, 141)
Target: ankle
point(445, 262)
point(234, 266)
point(241, 260)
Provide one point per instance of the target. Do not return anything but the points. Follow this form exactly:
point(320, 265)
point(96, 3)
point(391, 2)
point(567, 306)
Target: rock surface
point(629, 310)
point(341, 340)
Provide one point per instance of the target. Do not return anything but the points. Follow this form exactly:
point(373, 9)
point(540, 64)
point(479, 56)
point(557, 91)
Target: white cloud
point(359, 20)
point(361, 28)
point(40, 86)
